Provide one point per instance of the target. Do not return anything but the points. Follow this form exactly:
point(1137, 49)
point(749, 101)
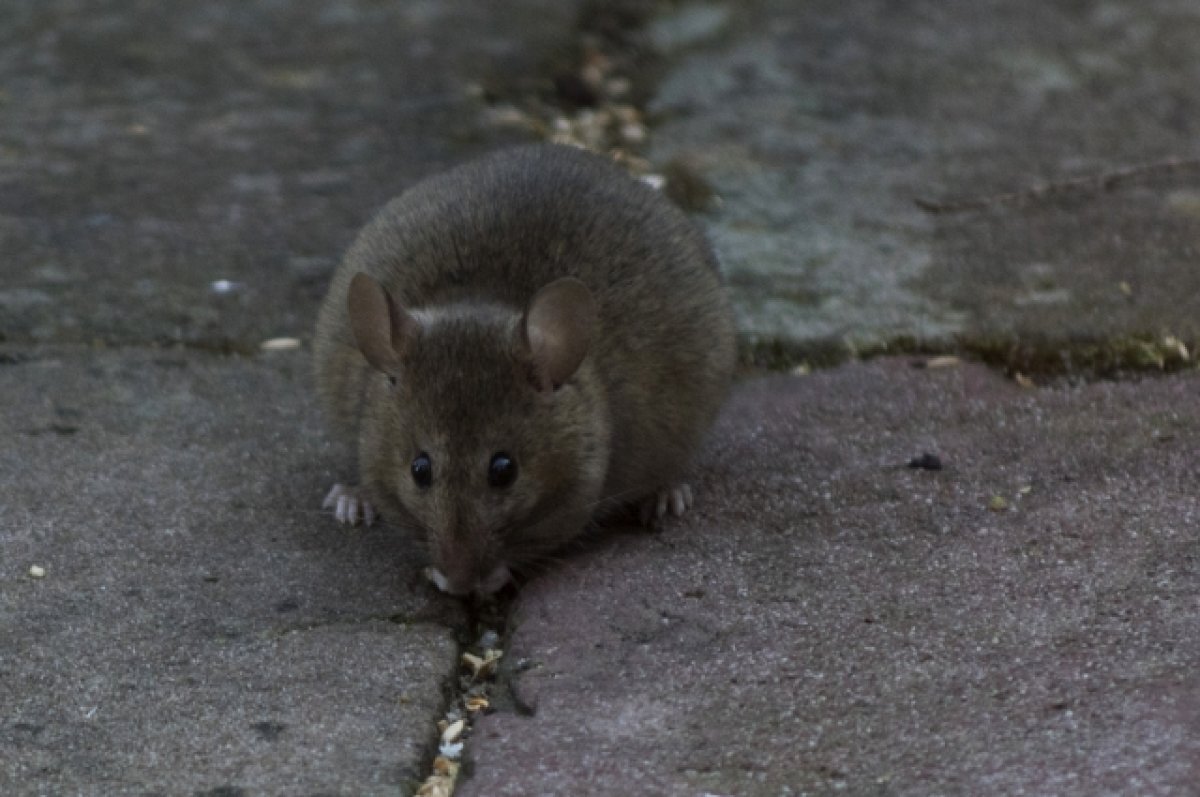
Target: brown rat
point(518, 345)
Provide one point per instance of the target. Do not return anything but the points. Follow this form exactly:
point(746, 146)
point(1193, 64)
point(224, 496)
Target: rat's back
point(499, 229)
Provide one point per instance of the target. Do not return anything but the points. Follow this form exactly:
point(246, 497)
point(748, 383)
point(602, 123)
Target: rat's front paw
point(676, 499)
point(349, 505)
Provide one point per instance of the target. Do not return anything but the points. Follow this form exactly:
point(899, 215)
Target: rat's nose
point(460, 586)
point(494, 580)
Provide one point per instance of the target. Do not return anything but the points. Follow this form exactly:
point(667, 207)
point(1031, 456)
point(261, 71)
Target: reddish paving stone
point(830, 619)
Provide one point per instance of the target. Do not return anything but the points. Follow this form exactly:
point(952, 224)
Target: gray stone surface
point(148, 150)
point(820, 123)
point(200, 625)
point(826, 620)
point(829, 620)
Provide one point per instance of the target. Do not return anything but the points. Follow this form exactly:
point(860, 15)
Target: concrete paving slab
point(212, 161)
point(831, 620)
point(820, 125)
point(201, 626)
point(828, 620)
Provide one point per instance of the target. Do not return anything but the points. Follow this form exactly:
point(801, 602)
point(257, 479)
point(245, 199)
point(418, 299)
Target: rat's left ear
point(556, 331)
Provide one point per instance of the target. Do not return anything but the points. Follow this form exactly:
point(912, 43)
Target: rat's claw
point(676, 499)
point(331, 496)
point(349, 506)
point(681, 499)
point(347, 509)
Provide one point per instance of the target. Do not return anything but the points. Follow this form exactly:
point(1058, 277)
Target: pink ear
point(382, 329)
point(557, 330)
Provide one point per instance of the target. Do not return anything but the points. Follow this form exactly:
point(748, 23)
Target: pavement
point(1012, 185)
point(831, 620)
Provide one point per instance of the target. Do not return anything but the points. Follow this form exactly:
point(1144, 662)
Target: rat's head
point(480, 427)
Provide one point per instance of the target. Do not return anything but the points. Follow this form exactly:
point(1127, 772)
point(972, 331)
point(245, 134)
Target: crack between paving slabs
point(1091, 360)
point(472, 693)
point(469, 691)
point(597, 104)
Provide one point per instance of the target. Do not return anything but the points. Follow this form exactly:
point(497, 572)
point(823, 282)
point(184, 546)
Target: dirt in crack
point(593, 94)
point(1024, 361)
point(474, 694)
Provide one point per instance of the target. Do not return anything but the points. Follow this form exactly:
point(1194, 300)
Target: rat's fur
point(463, 254)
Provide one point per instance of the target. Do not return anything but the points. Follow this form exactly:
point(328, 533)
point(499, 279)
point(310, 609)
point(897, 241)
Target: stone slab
point(201, 626)
point(209, 163)
point(821, 124)
point(829, 620)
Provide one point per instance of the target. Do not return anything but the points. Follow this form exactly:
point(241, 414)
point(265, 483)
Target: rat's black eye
point(422, 470)
point(391, 380)
point(502, 471)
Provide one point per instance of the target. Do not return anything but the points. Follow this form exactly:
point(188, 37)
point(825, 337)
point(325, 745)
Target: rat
point(521, 346)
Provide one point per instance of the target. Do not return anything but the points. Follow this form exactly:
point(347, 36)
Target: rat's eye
point(422, 470)
point(502, 471)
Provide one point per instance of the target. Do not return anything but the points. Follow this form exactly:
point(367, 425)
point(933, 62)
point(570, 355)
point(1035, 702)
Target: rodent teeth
point(439, 581)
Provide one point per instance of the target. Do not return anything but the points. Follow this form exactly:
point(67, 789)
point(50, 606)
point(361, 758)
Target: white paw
point(676, 499)
point(349, 505)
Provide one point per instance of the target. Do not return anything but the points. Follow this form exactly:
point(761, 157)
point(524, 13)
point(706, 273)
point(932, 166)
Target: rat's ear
point(557, 330)
point(382, 329)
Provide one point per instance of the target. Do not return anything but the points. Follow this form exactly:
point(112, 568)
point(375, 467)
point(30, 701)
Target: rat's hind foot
point(349, 505)
point(676, 499)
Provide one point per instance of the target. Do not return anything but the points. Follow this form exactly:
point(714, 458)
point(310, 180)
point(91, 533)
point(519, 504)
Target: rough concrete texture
point(149, 150)
point(831, 620)
point(825, 620)
point(200, 625)
point(820, 123)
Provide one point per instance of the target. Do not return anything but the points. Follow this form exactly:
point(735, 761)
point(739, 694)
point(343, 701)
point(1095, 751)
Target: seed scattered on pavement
point(280, 344)
point(998, 504)
point(453, 731)
point(438, 785)
point(944, 361)
point(482, 667)
point(37, 571)
point(455, 727)
point(1175, 346)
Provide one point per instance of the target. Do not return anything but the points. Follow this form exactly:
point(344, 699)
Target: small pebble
point(655, 181)
point(450, 749)
point(926, 461)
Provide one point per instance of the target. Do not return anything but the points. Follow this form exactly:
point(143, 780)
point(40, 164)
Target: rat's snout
point(461, 582)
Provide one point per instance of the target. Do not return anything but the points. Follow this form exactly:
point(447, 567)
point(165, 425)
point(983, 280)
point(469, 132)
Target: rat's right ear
point(382, 329)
